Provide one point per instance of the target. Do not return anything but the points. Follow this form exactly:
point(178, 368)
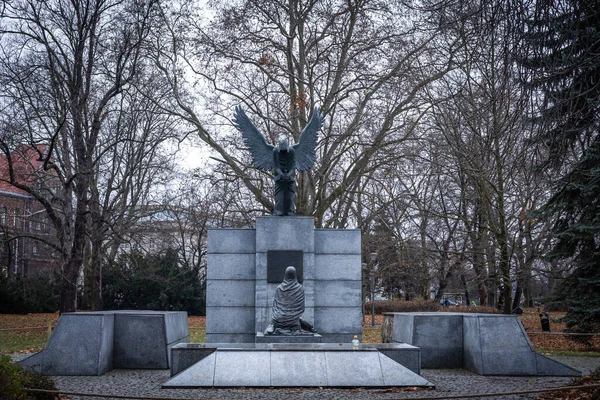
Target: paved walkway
point(448, 383)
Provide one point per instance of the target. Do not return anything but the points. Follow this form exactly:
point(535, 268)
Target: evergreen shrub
point(14, 380)
point(153, 282)
point(22, 295)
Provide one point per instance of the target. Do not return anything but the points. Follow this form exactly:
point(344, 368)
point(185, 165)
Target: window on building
point(34, 248)
point(35, 222)
point(4, 215)
point(16, 217)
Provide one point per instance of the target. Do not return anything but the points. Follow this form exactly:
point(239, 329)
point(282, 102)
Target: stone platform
point(487, 344)
point(92, 343)
point(184, 355)
point(295, 365)
point(308, 338)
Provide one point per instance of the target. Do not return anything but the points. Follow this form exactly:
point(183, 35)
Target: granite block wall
point(239, 298)
point(230, 285)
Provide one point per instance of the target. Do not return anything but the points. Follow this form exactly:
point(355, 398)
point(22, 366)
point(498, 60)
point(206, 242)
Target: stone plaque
point(279, 260)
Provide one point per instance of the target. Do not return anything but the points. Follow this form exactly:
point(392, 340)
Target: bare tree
point(279, 59)
point(62, 64)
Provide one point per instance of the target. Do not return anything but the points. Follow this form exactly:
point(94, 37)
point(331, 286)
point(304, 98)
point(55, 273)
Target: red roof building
point(23, 220)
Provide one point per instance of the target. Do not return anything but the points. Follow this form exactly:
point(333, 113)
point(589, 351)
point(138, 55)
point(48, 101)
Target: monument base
point(185, 355)
point(487, 344)
point(305, 338)
point(94, 342)
point(295, 365)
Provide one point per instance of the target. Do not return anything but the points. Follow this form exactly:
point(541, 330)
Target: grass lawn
point(28, 333)
point(32, 334)
point(197, 329)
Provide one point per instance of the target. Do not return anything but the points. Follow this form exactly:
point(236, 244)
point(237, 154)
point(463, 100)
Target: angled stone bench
point(487, 344)
point(92, 343)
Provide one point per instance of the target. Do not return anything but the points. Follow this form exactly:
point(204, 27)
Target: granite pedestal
point(92, 343)
point(488, 344)
point(239, 292)
point(296, 365)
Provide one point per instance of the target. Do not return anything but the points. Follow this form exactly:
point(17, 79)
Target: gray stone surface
point(402, 353)
point(231, 241)
point(506, 349)
point(338, 294)
point(361, 368)
point(203, 372)
point(261, 266)
point(334, 267)
point(403, 329)
point(508, 363)
point(394, 376)
point(91, 343)
point(249, 368)
point(440, 337)
point(176, 326)
point(440, 340)
point(306, 365)
point(309, 266)
point(504, 346)
point(262, 338)
point(140, 342)
point(230, 293)
point(496, 332)
point(472, 355)
point(337, 241)
point(185, 355)
point(80, 344)
point(334, 284)
point(268, 229)
point(231, 266)
point(309, 299)
point(294, 368)
point(488, 344)
point(142, 338)
point(289, 233)
point(338, 320)
point(230, 320)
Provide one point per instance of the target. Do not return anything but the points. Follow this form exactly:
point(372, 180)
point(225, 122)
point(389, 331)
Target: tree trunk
point(518, 292)
point(96, 244)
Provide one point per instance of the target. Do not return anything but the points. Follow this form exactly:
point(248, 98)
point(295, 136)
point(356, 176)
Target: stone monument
point(267, 286)
point(288, 307)
point(246, 266)
point(282, 159)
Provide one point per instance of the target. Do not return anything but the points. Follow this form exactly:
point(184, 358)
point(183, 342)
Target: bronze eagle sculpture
point(282, 159)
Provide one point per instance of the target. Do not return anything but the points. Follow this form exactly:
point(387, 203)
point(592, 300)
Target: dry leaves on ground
point(577, 394)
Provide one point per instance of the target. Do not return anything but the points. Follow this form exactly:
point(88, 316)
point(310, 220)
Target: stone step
point(295, 365)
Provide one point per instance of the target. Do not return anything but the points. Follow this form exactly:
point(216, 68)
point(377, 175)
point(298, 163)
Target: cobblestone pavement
point(147, 383)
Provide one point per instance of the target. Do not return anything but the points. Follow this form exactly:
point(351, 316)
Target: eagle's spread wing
point(262, 152)
point(307, 142)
